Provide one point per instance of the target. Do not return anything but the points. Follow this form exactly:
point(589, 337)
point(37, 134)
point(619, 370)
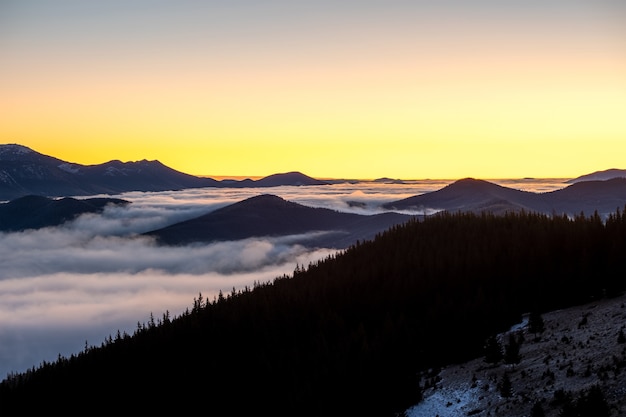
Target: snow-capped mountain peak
point(13, 151)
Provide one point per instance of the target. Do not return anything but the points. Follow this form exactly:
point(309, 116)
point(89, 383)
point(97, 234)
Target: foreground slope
point(349, 335)
point(269, 215)
point(580, 351)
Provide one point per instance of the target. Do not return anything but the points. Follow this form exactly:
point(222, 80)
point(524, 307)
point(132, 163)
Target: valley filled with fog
point(62, 287)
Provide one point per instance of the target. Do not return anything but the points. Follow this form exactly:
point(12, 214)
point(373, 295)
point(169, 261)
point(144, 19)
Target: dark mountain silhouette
point(600, 175)
point(269, 215)
point(588, 196)
point(479, 195)
point(34, 212)
point(115, 176)
point(26, 172)
point(386, 180)
point(468, 194)
point(293, 178)
point(288, 178)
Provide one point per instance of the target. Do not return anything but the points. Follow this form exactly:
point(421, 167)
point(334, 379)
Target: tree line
point(347, 335)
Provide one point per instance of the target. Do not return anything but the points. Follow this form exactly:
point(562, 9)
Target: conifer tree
point(537, 410)
point(511, 350)
point(493, 350)
point(505, 387)
point(592, 403)
point(535, 323)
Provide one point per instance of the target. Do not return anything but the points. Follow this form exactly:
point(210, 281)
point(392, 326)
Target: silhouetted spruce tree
point(537, 410)
point(535, 323)
point(504, 387)
point(493, 350)
point(511, 350)
point(568, 409)
point(592, 403)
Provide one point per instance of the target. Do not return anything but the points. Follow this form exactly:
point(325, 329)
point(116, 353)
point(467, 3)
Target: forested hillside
point(348, 335)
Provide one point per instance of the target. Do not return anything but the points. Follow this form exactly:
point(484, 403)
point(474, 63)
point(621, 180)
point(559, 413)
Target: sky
point(334, 89)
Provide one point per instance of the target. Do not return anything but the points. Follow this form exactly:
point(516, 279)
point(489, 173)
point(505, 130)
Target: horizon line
point(258, 177)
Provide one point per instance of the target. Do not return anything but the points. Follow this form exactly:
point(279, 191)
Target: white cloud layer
point(89, 278)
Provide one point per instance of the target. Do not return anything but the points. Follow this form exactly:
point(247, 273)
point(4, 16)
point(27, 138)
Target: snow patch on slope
point(579, 348)
point(13, 150)
point(72, 169)
point(444, 401)
point(6, 178)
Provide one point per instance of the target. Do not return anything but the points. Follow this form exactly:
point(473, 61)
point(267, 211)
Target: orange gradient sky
point(350, 89)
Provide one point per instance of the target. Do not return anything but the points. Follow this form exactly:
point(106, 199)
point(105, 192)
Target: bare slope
point(579, 349)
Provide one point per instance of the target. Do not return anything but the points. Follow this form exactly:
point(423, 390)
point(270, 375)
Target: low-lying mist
point(80, 282)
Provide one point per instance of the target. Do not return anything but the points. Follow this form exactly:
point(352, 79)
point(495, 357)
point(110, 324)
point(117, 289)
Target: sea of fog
point(64, 287)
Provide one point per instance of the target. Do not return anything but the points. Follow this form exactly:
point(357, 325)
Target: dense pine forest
point(353, 334)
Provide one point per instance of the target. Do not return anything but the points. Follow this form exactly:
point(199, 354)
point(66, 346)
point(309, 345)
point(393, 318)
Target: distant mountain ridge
point(464, 194)
point(268, 215)
point(600, 175)
point(293, 178)
point(24, 171)
point(34, 212)
point(475, 195)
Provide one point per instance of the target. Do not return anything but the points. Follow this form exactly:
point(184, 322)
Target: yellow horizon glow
point(455, 104)
point(489, 132)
